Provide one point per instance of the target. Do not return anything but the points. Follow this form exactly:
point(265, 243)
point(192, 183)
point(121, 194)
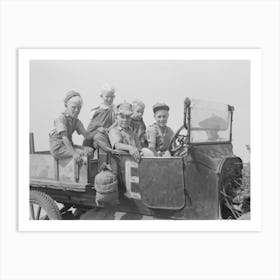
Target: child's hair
point(107, 88)
point(139, 103)
point(70, 94)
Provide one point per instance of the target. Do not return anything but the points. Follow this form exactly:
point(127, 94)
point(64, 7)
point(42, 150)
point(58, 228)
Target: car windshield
point(210, 122)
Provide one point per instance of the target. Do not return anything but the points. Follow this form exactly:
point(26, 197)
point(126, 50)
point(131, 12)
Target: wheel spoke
point(38, 213)
point(32, 211)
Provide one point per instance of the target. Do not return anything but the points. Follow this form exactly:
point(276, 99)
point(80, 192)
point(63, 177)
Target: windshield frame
point(187, 124)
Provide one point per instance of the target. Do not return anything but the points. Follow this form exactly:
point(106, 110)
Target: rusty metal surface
point(161, 182)
point(202, 180)
point(202, 186)
point(210, 155)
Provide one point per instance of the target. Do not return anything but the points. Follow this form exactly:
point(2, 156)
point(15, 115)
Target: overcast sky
point(150, 81)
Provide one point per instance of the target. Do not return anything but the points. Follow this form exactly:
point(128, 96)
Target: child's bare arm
point(151, 138)
point(152, 147)
point(69, 146)
point(81, 130)
point(116, 142)
point(133, 151)
point(67, 142)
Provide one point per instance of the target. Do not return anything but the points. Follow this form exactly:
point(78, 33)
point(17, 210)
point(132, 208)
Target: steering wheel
point(178, 142)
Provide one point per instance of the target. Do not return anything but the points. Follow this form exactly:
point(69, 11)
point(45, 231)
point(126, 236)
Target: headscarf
point(71, 94)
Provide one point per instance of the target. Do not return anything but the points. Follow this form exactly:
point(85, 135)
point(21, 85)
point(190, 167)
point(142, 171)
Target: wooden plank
point(58, 185)
point(45, 167)
point(66, 171)
point(41, 166)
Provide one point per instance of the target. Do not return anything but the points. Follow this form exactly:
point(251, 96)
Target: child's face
point(138, 112)
point(161, 117)
point(108, 98)
point(123, 120)
point(73, 108)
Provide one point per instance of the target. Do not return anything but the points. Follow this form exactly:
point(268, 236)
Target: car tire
point(43, 207)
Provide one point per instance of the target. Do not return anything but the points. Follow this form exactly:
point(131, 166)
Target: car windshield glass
point(210, 122)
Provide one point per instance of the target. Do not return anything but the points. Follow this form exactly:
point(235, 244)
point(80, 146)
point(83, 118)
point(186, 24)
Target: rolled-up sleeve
point(151, 135)
point(60, 124)
point(115, 136)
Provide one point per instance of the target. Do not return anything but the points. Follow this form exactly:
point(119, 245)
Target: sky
point(225, 81)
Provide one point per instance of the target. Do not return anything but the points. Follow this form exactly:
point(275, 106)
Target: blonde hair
point(107, 89)
point(139, 103)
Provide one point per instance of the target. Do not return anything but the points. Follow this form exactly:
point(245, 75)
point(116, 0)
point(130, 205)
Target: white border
point(254, 55)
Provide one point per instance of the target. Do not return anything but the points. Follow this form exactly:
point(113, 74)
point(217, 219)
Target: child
point(159, 134)
point(137, 123)
point(104, 114)
point(61, 144)
point(121, 135)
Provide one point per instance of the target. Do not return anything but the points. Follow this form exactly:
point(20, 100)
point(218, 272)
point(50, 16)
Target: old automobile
point(201, 180)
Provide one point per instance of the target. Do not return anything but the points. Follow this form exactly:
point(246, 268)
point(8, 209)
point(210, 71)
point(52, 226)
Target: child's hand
point(159, 154)
point(77, 157)
point(135, 153)
point(88, 151)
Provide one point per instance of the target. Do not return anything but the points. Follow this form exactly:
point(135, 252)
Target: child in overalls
point(103, 115)
point(61, 144)
point(159, 134)
point(137, 123)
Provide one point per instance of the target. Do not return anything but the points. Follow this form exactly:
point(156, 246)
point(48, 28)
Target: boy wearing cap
point(103, 115)
point(121, 135)
point(61, 144)
point(159, 134)
point(137, 123)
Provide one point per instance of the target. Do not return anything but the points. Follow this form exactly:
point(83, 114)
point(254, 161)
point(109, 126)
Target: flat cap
point(160, 106)
point(125, 108)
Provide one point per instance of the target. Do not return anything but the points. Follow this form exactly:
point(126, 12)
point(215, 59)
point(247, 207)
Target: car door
point(161, 182)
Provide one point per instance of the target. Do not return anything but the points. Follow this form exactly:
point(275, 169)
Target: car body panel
point(161, 183)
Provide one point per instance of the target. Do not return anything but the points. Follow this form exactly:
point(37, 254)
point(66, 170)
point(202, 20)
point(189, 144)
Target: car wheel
point(42, 207)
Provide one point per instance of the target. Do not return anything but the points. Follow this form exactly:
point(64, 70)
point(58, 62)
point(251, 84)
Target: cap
point(125, 108)
point(69, 95)
point(160, 106)
point(107, 89)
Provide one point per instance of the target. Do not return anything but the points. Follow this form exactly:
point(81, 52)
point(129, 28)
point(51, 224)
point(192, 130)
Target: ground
point(105, 214)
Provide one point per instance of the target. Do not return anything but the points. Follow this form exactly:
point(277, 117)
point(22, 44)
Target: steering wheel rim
point(173, 148)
